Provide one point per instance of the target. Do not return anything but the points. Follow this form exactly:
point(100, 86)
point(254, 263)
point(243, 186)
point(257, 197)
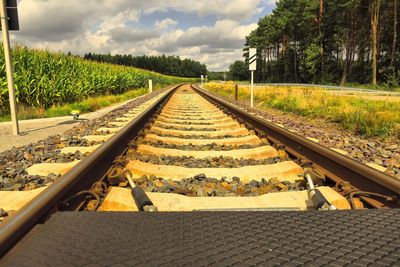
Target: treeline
point(169, 65)
point(328, 41)
point(217, 75)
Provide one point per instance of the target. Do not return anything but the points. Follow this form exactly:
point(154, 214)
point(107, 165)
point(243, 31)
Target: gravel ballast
point(383, 152)
point(15, 161)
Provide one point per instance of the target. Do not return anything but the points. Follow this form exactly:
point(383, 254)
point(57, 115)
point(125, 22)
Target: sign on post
point(9, 21)
point(252, 68)
point(12, 15)
point(252, 59)
point(202, 79)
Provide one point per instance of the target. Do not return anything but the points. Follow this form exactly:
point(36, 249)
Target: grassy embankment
point(52, 84)
point(363, 115)
point(379, 87)
point(89, 104)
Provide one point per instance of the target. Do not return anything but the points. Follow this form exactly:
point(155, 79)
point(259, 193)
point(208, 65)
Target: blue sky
point(184, 20)
point(212, 32)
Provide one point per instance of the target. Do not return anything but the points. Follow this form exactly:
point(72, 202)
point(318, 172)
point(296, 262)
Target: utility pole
point(9, 70)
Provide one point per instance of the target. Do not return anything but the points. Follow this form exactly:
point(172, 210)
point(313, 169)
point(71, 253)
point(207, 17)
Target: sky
point(212, 32)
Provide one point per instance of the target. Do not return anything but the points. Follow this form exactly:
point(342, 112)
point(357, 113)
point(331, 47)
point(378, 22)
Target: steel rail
point(98, 162)
point(81, 175)
point(336, 165)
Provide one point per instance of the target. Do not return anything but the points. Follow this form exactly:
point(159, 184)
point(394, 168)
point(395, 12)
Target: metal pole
point(150, 85)
point(252, 89)
point(236, 91)
point(9, 71)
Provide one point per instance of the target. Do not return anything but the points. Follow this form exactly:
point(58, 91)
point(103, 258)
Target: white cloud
point(223, 34)
point(269, 2)
point(231, 9)
point(119, 20)
point(94, 40)
point(104, 26)
point(165, 23)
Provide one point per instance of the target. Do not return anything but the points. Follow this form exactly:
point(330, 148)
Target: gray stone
point(230, 179)
point(14, 187)
point(200, 192)
point(3, 213)
point(235, 179)
point(253, 183)
point(199, 176)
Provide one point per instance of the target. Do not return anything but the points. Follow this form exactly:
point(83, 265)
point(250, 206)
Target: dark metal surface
point(12, 14)
point(81, 176)
point(331, 238)
point(11, 3)
point(336, 165)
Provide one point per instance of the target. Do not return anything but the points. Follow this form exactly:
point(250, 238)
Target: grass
point(363, 116)
point(89, 104)
point(379, 87)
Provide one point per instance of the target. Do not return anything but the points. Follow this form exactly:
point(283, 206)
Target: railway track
point(187, 150)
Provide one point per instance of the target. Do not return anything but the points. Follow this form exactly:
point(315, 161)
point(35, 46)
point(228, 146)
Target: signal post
point(9, 21)
point(252, 68)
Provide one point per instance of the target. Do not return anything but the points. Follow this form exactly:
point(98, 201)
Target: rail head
point(93, 166)
point(359, 175)
point(97, 163)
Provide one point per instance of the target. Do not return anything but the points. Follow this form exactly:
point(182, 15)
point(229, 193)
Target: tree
point(375, 4)
point(321, 13)
point(170, 65)
point(216, 75)
point(351, 21)
point(394, 32)
point(238, 71)
point(321, 41)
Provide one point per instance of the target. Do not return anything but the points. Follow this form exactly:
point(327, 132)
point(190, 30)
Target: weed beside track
point(363, 116)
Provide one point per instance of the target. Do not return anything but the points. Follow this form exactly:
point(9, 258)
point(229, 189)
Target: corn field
point(44, 79)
